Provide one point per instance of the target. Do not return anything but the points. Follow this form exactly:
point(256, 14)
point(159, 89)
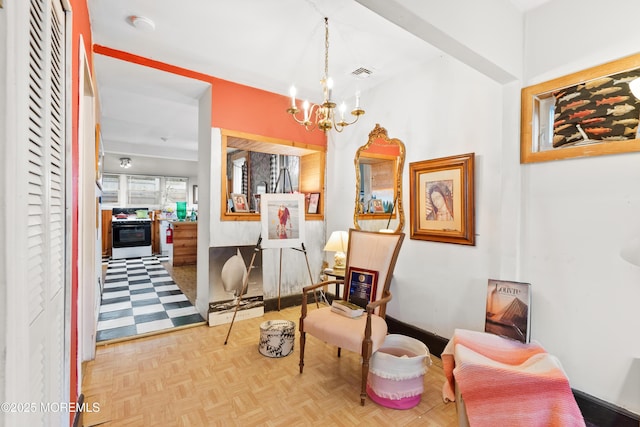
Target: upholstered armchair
point(371, 259)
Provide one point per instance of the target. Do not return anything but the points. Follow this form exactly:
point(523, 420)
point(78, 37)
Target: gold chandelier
point(324, 113)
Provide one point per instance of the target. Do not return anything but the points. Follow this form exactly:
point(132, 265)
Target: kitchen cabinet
point(155, 233)
point(106, 233)
point(185, 242)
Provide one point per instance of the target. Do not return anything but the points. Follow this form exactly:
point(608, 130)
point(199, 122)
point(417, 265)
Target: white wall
point(559, 225)
point(564, 36)
point(578, 215)
point(446, 108)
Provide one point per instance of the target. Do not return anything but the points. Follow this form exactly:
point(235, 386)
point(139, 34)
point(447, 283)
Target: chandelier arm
point(295, 111)
point(343, 123)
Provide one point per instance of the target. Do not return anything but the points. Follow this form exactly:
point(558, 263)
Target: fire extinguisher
point(169, 234)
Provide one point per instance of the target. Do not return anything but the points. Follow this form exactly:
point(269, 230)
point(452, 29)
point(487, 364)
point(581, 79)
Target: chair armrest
point(306, 289)
point(375, 304)
point(367, 344)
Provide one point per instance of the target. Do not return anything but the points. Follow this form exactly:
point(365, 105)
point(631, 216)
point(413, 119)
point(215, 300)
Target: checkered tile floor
point(139, 297)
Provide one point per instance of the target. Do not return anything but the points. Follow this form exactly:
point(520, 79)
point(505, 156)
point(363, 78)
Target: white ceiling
point(269, 45)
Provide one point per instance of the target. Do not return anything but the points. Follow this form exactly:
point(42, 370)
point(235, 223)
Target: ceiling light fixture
point(142, 23)
point(324, 113)
point(125, 162)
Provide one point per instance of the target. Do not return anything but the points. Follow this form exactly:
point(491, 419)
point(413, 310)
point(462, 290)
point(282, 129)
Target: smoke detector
point(142, 23)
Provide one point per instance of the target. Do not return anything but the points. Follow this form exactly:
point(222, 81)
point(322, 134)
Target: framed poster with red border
point(363, 284)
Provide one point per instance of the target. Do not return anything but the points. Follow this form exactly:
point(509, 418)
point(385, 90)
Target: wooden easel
point(257, 249)
point(284, 175)
point(306, 258)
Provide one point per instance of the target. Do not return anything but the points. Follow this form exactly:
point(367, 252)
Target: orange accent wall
point(80, 26)
point(382, 148)
point(235, 106)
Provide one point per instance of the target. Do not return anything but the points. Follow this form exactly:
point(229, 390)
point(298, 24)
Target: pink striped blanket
point(506, 383)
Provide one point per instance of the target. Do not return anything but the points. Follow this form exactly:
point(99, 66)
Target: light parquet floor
point(189, 377)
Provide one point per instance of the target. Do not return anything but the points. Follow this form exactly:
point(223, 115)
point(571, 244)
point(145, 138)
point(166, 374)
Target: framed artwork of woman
point(239, 202)
point(442, 199)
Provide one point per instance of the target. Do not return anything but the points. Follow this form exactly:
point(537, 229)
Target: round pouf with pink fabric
point(396, 372)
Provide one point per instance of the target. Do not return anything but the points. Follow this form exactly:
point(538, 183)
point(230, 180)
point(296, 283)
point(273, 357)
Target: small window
point(143, 190)
point(175, 190)
point(110, 189)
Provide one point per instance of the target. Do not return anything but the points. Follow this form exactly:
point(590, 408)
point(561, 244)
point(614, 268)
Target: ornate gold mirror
point(379, 163)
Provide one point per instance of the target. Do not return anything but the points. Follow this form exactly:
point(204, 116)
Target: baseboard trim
point(286, 301)
point(596, 412)
point(434, 343)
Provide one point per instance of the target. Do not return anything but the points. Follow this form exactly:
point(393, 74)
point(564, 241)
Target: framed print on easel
point(282, 218)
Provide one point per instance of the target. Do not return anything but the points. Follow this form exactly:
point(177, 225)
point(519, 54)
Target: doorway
point(155, 119)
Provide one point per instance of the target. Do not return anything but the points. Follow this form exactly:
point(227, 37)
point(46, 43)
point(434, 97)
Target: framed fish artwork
point(589, 113)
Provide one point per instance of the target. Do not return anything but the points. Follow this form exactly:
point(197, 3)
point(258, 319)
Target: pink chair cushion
point(343, 331)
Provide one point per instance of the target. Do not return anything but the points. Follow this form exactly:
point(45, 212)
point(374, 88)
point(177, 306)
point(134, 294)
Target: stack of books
point(346, 308)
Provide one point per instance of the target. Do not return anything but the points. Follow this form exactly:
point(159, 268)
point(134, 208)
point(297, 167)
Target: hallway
point(141, 298)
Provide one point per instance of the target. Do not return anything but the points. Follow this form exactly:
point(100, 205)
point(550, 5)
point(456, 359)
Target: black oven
point(131, 233)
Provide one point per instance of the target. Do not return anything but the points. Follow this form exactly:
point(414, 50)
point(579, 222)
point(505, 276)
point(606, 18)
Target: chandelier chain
point(325, 118)
point(326, 48)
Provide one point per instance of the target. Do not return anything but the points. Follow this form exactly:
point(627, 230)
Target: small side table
point(338, 275)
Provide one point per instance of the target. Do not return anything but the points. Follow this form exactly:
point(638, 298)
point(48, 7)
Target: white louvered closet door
point(36, 351)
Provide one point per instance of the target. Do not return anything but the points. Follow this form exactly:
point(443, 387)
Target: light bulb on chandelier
point(324, 113)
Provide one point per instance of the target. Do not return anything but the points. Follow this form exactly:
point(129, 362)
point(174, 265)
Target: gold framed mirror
point(378, 202)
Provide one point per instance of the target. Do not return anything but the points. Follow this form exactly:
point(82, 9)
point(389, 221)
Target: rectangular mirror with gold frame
point(254, 165)
point(588, 113)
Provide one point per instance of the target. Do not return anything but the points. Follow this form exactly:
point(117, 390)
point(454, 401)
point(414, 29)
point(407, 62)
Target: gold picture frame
point(591, 92)
point(239, 202)
point(314, 203)
point(441, 200)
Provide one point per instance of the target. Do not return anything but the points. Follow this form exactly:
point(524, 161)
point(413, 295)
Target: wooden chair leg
point(365, 375)
point(367, 350)
point(302, 342)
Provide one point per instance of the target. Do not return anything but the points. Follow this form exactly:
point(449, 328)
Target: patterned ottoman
point(276, 338)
